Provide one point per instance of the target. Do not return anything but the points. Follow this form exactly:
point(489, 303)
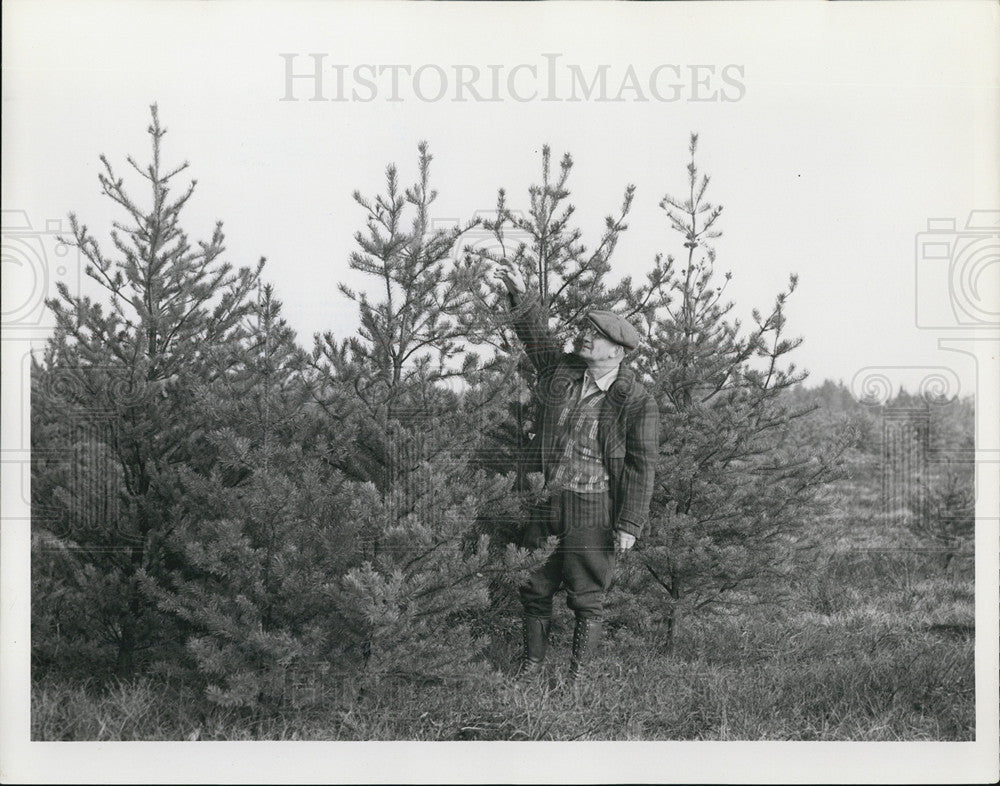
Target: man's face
point(590, 344)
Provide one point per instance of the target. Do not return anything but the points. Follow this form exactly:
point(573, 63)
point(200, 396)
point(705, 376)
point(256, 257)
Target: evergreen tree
point(732, 481)
point(569, 279)
point(267, 533)
point(542, 243)
point(395, 425)
point(113, 408)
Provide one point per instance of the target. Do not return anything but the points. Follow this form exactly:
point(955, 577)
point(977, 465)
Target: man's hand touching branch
point(506, 275)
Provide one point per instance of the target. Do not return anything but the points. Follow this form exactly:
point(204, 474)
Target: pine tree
point(732, 480)
point(113, 404)
point(569, 278)
point(395, 425)
point(266, 534)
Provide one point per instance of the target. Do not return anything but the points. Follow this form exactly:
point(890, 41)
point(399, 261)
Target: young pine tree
point(114, 409)
point(568, 278)
point(266, 534)
point(396, 426)
point(733, 482)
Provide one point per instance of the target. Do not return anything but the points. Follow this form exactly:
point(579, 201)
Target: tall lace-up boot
point(586, 641)
point(536, 638)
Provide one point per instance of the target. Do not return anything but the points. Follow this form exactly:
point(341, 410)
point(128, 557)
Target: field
point(875, 641)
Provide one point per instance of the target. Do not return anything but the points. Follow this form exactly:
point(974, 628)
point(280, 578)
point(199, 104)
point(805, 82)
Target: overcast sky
point(831, 138)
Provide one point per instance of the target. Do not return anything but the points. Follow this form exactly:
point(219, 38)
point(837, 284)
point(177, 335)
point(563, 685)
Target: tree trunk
point(125, 662)
point(128, 643)
point(672, 621)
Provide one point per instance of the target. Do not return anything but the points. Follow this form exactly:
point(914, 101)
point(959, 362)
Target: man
point(596, 439)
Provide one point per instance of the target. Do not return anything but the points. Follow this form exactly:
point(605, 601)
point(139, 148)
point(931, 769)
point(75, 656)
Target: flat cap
point(615, 328)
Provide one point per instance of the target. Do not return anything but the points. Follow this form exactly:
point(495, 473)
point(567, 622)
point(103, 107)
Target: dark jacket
point(628, 430)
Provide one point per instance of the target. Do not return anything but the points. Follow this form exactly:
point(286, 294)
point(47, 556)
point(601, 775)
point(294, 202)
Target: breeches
point(584, 560)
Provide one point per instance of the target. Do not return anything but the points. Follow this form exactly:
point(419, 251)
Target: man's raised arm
point(527, 318)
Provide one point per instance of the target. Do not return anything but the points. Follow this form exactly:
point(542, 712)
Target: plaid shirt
point(580, 467)
point(627, 426)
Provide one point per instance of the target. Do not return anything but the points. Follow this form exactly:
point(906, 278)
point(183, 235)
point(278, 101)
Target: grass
point(898, 668)
point(876, 643)
point(827, 682)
